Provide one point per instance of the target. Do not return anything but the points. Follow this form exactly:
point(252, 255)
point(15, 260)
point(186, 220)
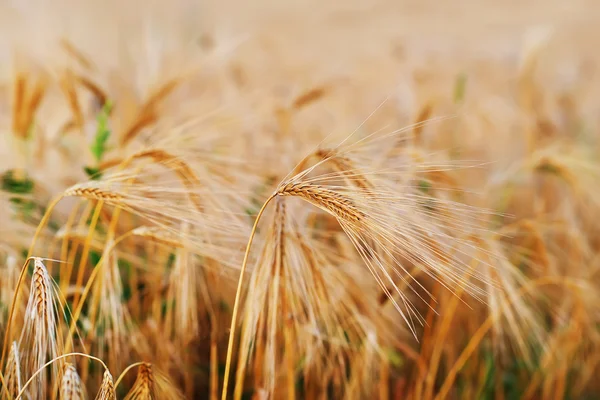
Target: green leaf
point(13, 184)
point(94, 257)
point(102, 132)
point(394, 357)
point(171, 260)
point(93, 172)
point(425, 186)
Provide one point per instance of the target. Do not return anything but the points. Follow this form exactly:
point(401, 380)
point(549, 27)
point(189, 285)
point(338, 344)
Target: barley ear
point(40, 334)
point(12, 377)
point(326, 199)
point(71, 387)
point(150, 384)
point(144, 384)
point(107, 389)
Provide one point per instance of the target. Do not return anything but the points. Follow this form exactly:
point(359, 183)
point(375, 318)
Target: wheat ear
point(92, 193)
point(12, 385)
point(107, 389)
point(143, 387)
point(174, 163)
point(71, 387)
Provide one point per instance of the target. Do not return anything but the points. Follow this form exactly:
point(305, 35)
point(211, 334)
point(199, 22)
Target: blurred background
point(512, 87)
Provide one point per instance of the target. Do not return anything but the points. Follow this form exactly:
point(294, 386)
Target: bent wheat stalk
point(329, 201)
point(61, 357)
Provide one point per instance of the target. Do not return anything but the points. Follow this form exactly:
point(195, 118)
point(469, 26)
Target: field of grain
point(299, 199)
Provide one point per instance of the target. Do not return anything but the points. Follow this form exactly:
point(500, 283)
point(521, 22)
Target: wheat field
point(299, 199)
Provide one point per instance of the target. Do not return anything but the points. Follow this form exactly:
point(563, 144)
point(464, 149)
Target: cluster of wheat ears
point(321, 243)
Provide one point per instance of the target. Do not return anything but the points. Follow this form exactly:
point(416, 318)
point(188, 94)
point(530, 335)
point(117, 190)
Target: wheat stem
point(238, 296)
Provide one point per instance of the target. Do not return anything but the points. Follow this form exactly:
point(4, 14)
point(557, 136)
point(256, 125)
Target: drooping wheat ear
point(67, 84)
point(76, 54)
point(71, 387)
point(148, 112)
point(107, 389)
point(309, 97)
point(92, 193)
point(25, 104)
point(12, 375)
point(150, 384)
point(324, 198)
point(93, 88)
point(185, 173)
point(180, 167)
point(143, 388)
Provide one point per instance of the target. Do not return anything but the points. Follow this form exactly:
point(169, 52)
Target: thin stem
point(51, 362)
point(126, 370)
point(238, 296)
